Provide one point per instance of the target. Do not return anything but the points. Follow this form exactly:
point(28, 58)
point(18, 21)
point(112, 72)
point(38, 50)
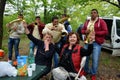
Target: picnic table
point(36, 74)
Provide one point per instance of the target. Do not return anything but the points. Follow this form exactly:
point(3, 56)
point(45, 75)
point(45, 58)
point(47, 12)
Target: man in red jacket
point(96, 28)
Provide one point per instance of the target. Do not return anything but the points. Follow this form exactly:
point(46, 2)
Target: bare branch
point(117, 5)
point(119, 2)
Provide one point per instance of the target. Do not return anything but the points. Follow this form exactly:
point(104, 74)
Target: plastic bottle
point(31, 58)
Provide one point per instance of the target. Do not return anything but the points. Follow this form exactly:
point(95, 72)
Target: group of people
point(57, 39)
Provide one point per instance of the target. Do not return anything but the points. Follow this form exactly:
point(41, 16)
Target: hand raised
point(25, 24)
point(87, 31)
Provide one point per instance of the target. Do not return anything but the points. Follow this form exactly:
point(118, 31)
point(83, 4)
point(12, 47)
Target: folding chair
point(82, 64)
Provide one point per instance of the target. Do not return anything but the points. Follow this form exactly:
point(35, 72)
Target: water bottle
point(31, 58)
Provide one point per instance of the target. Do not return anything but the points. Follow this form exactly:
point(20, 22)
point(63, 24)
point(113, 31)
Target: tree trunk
point(2, 8)
point(119, 2)
point(45, 14)
point(65, 11)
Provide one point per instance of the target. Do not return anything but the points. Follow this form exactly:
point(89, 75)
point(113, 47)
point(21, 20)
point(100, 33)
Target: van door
point(115, 33)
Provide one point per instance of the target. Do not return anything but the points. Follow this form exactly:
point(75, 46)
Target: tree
point(2, 8)
point(115, 4)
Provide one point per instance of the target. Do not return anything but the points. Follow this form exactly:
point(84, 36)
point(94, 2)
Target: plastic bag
point(75, 74)
point(7, 69)
point(82, 78)
point(60, 73)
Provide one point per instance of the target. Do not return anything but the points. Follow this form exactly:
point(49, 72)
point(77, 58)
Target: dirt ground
point(109, 66)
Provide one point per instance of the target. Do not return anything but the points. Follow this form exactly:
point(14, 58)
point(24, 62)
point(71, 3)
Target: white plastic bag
point(60, 73)
point(75, 74)
point(82, 78)
point(7, 69)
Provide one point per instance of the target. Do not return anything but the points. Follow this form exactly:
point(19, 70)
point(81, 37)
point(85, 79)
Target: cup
point(33, 65)
point(29, 69)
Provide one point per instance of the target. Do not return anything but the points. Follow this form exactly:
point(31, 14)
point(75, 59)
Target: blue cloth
point(56, 56)
point(32, 45)
point(13, 42)
point(68, 27)
point(95, 59)
point(56, 59)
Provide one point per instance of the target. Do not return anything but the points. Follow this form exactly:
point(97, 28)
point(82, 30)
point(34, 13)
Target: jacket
point(42, 57)
point(40, 28)
point(57, 34)
point(100, 28)
point(75, 57)
point(16, 33)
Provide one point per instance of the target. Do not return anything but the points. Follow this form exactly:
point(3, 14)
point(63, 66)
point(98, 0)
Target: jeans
point(32, 45)
point(56, 59)
point(56, 56)
point(95, 59)
point(13, 42)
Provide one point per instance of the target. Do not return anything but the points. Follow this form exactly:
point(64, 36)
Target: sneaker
point(93, 77)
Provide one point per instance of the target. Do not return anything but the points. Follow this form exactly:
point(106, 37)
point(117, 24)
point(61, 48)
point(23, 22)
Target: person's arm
point(63, 29)
point(31, 27)
point(8, 25)
point(86, 52)
point(46, 29)
point(34, 40)
point(30, 36)
point(42, 25)
point(83, 30)
point(104, 30)
point(69, 28)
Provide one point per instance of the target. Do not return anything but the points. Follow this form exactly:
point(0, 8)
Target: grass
point(108, 64)
point(23, 46)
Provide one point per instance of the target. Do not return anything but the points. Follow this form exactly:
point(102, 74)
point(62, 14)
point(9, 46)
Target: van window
point(109, 26)
point(118, 27)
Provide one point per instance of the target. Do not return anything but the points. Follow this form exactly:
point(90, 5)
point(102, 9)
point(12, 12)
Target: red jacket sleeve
point(104, 30)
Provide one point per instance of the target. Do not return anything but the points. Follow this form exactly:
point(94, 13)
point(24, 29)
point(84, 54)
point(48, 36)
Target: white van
point(112, 40)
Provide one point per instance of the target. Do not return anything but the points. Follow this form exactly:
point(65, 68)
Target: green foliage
point(12, 2)
point(5, 21)
point(78, 10)
point(80, 13)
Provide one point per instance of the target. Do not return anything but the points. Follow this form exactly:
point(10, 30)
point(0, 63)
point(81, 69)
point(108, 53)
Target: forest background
point(78, 11)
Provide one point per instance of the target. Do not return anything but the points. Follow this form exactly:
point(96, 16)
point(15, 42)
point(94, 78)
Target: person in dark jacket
point(45, 50)
point(58, 31)
point(72, 53)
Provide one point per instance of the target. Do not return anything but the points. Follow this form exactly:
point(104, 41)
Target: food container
point(1, 53)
